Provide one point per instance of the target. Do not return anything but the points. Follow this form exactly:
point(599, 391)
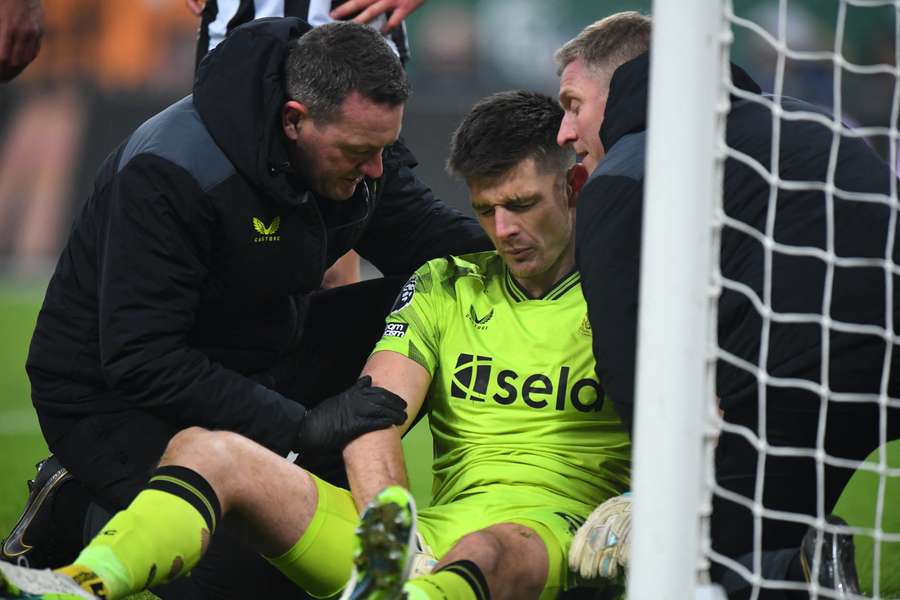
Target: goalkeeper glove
point(334, 422)
point(601, 545)
point(423, 560)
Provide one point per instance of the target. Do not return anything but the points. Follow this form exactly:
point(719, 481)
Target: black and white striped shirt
point(221, 16)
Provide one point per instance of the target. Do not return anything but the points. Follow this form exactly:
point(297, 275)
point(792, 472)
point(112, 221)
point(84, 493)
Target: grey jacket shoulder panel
point(179, 136)
point(625, 158)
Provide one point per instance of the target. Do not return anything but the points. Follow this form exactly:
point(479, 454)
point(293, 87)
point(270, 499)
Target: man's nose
point(373, 167)
point(506, 223)
point(566, 131)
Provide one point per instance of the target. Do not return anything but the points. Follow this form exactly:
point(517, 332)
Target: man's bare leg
point(509, 559)
point(506, 560)
point(267, 499)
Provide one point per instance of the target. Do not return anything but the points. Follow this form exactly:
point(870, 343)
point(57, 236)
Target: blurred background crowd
point(104, 67)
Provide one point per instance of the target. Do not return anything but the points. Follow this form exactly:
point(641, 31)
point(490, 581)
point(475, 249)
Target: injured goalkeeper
point(496, 347)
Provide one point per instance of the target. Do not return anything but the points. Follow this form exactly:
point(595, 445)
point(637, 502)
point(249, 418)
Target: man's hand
point(601, 545)
point(353, 412)
point(369, 10)
point(21, 30)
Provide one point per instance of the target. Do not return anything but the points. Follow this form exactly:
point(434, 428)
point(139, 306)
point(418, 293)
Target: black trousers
point(111, 456)
point(790, 483)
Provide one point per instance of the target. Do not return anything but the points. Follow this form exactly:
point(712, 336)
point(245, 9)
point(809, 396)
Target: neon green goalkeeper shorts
point(554, 519)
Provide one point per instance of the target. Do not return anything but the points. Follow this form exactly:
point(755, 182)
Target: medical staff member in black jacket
point(603, 89)
point(183, 295)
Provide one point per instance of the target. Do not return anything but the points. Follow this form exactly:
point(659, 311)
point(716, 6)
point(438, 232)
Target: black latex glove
point(335, 421)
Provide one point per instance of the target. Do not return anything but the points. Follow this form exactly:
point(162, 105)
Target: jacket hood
point(626, 106)
point(239, 92)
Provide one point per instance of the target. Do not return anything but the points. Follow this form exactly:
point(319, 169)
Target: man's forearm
point(374, 461)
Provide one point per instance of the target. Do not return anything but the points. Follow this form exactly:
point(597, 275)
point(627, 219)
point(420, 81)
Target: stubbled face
point(582, 94)
point(529, 214)
point(334, 156)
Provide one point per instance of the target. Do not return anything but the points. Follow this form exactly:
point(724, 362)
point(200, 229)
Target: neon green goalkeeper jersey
point(514, 398)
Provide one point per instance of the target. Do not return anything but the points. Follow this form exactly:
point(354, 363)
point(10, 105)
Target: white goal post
point(676, 421)
point(674, 388)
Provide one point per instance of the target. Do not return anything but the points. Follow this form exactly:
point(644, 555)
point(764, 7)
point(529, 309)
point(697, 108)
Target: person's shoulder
point(449, 271)
point(178, 137)
point(624, 159)
point(479, 265)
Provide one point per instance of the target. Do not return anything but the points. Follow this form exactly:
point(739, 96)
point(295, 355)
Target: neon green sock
point(321, 561)
point(460, 580)
point(161, 535)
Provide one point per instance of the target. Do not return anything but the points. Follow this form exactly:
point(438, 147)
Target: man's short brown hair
point(608, 43)
point(327, 64)
point(505, 129)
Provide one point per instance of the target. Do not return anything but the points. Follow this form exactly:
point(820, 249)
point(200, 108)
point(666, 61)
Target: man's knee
point(237, 468)
point(186, 443)
point(212, 454)
point(484, 547)
point(510, 555)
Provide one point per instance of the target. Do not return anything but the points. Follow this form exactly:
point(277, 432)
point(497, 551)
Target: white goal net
point(768, 384)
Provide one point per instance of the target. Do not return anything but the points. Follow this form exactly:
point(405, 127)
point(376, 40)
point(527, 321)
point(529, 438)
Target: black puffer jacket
point(186, 269)
point(609, 243)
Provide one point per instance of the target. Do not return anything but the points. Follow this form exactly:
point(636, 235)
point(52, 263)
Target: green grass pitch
point(21, 446)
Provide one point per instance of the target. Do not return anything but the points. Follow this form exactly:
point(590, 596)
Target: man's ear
point(293, 116)
point(575, 179)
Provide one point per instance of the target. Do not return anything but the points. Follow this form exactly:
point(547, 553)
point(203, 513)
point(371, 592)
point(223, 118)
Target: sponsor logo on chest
point(476, 374)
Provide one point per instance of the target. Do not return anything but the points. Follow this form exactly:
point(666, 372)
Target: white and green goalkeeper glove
point(423, 560)
point(601, 545)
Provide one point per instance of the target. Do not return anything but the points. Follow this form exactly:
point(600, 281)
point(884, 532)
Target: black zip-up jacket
point(186, 269)
point(608, 242)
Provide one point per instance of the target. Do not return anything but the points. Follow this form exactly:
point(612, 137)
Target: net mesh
point(845, 76)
